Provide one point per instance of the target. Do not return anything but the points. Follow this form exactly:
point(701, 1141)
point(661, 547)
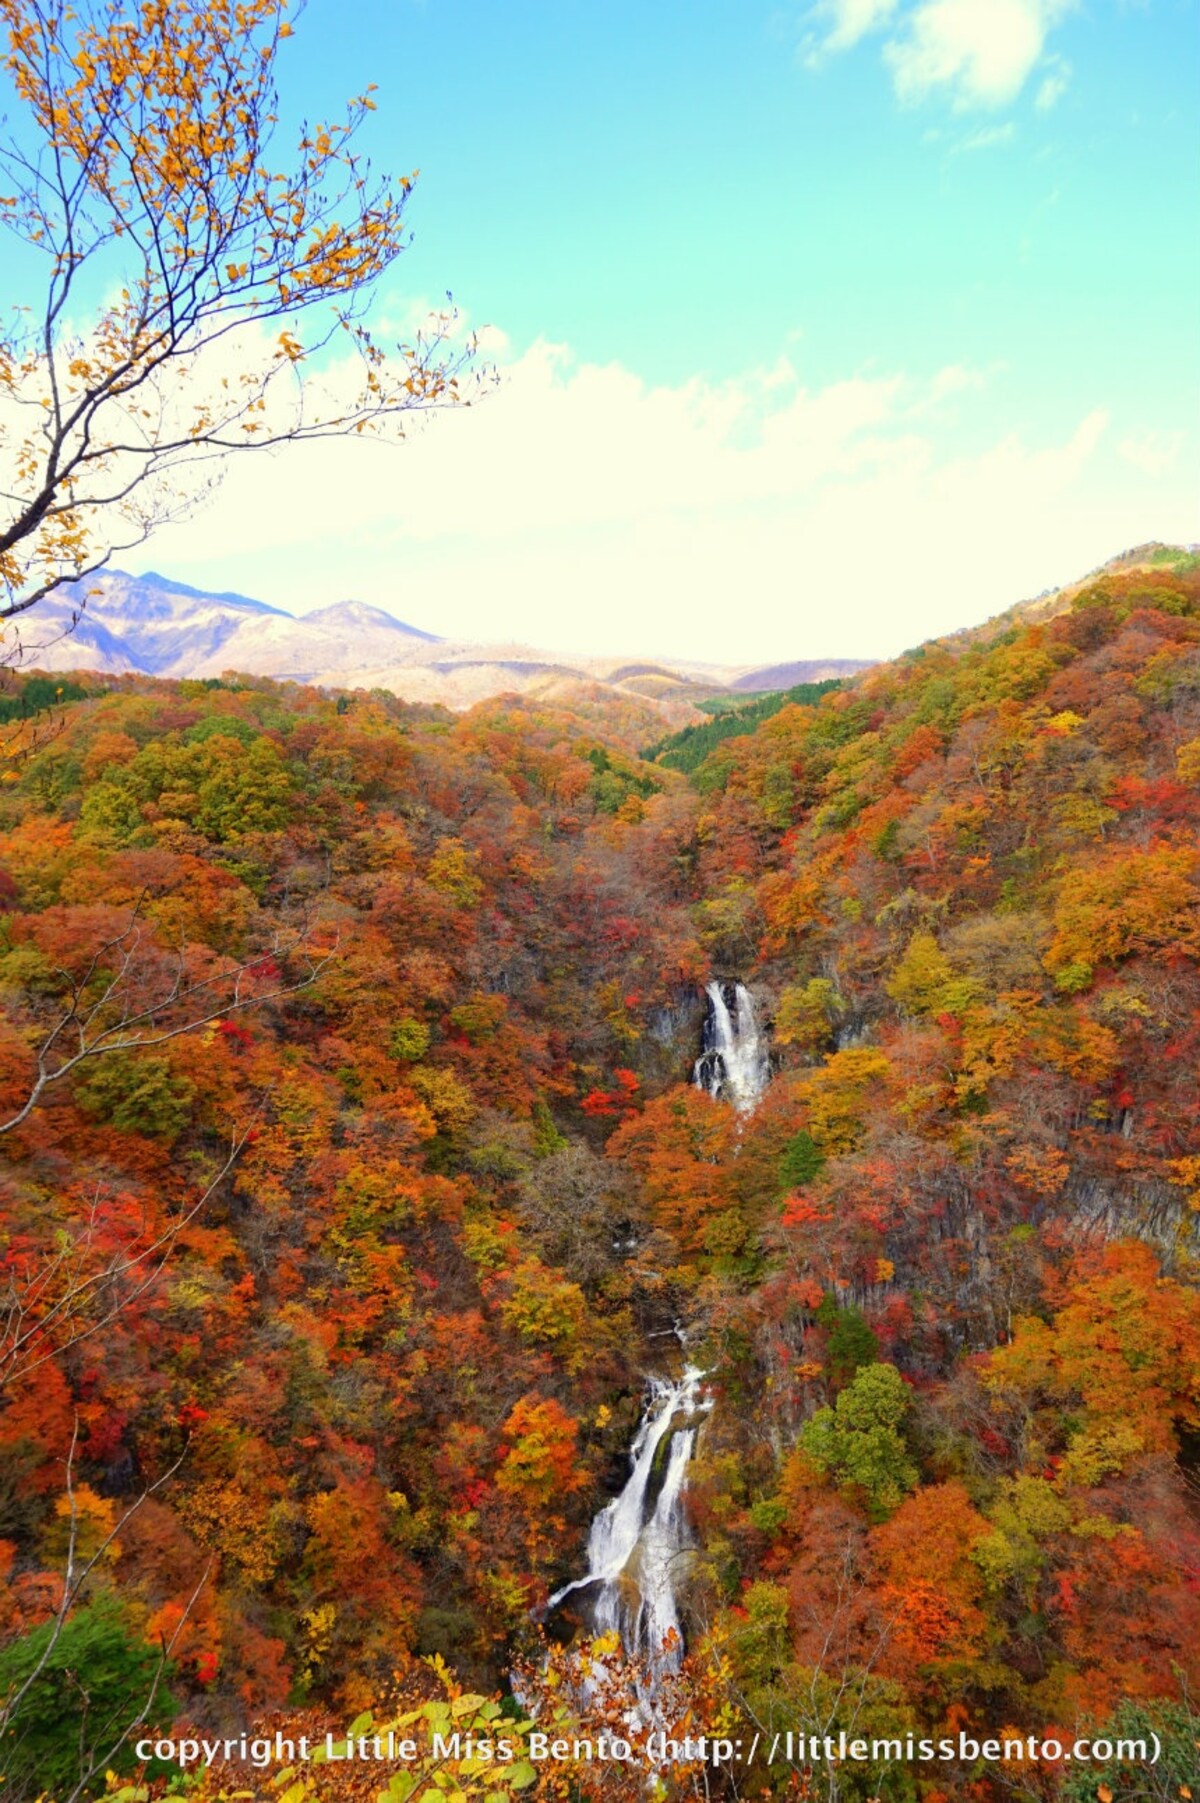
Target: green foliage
point(222, 784)
point(97, 1682)
point(222, 726)
point(34, 694)
point(138, 1094)
point(478, 1019)
point(800, 1161)
point(860, 1441)
point(543, 1310)
point(409, 1040)
point(769, 1514)
point(779, 796)
point(1139, 1777)
point(687, 749)
point(851, 1343)
point(547, 1140)
point(763, 1644)
point(26, 968)
point(615, 780)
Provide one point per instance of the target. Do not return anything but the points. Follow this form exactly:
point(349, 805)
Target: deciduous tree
point(144, 164)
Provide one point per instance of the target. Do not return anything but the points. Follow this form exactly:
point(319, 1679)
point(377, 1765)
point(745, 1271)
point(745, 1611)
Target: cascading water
point(633, 1550)
point(734, 1065)
point(637, 1540)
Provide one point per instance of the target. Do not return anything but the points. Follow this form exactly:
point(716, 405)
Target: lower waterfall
point(635, 1544)
point(734, 1065)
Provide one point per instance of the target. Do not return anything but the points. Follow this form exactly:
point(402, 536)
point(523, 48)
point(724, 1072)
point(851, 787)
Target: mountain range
point(155, 626)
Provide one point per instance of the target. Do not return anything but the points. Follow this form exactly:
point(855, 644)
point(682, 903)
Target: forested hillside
point(687, 749)
point(353, 1178)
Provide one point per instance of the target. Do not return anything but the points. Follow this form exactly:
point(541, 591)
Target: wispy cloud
point(1053, 86)
point(990, 137)
point(1153, 453)
point(841, 24)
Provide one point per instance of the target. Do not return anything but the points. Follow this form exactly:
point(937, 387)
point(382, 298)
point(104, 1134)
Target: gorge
point(638, 1544)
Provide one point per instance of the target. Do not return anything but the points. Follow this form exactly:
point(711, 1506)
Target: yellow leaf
point(467, 1702)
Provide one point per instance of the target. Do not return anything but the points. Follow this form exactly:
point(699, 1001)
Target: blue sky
point(822, 327)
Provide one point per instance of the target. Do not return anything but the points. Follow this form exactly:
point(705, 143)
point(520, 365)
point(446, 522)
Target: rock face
point(153, 626)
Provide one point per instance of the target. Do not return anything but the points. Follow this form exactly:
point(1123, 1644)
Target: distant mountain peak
point(114, 622)
point(361, 613)
point(167, 585)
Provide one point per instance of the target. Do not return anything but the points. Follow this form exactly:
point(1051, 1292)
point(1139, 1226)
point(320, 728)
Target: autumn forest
point(354, 1179)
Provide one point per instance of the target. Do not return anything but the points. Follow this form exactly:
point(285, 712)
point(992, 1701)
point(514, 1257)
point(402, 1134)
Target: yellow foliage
point(224, 1517)
point(453, 871)
point(94, 1517)
point(919, 981)
point(805, 1013)
point(834, 1095)
point(447, 1098)
point(1132, 901)
point(1187, 762)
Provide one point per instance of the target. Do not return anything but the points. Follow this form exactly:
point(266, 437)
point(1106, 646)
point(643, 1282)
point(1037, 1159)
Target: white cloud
point(493, 341)
point(955, 379)
point(741, 520)
point(978, 53)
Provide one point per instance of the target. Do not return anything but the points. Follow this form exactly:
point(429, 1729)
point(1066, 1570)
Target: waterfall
point(734, 1064)
point(633, 1552)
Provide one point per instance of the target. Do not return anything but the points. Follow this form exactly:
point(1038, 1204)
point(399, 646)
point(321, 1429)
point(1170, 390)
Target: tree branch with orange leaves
point(145, 156)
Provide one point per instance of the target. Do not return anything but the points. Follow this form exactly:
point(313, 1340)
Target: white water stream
point(638, 1541)
point(634, 1551)
point(734, 1065)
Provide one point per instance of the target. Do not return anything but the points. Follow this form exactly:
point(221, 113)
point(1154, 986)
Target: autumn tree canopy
point(324, 1322)
point(143, 164)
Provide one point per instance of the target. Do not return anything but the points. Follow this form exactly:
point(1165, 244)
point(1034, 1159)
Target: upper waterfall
point(734, 1064)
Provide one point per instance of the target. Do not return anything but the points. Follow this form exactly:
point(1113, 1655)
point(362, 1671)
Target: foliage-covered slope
point(971, 887)
point(381, 1381)
point(352, 1281)
point(687, 749)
